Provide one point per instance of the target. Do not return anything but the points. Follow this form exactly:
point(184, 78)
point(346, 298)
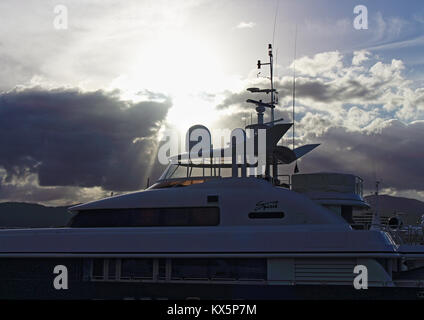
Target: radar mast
point(261, 107)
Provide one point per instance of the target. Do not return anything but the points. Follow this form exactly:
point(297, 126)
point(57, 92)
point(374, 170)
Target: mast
point(261, 106)
point(376, 222)
point(271, 71)
point(272, 91)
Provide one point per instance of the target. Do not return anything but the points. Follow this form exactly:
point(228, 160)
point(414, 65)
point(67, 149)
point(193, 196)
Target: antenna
point(276, 71)
point(376, 221)
point(275, 21)
point(296, 168)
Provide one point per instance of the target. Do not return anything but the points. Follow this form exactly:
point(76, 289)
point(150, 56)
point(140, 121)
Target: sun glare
point(188, 69)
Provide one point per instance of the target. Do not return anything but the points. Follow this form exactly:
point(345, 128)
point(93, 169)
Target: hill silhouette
point(390, 206)
point(31, 215)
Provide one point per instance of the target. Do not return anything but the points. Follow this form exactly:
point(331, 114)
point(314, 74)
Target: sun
point(189, 69)
point(189, 110)
point(192, 73)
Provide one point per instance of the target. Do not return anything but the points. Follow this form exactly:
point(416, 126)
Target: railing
point(410, 235)
point(393, 235)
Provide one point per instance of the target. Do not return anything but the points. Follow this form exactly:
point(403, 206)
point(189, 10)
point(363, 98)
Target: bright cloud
point(359, 57)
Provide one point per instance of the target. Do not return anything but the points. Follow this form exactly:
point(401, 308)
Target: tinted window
point(145, 217)
point(266, 215)
point(219, 269)
point(190, 269)
point(112, 269)
point(222, 269)
point(213, 198)
point(162, 269)
point(209, 269)
point(137, 268)
point(248, 269)
point(98, 268)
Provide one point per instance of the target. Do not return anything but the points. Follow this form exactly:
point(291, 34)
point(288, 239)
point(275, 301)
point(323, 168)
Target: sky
point(88, 88)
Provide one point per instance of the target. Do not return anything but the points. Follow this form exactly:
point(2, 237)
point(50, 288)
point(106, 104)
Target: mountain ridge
point(411, 209)
point(15, 215)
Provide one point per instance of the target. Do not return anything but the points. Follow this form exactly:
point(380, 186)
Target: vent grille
point(328, 271)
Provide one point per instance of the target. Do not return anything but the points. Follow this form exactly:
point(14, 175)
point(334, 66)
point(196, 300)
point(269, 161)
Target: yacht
point(217, 227)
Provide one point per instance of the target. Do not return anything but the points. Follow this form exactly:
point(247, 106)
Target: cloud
point(417, 41)
point(325, 64)
point(310, 90)
point(70, 138)
point(387, 150)
point(105, 40)
point(244, 25)
point(325, 83)
point(418, 17)
point(366, 115)
point(27, 189)
point(359, 57)
point(388, 28)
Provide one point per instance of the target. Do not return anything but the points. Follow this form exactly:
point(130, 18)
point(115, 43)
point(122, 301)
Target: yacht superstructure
point(214, 227)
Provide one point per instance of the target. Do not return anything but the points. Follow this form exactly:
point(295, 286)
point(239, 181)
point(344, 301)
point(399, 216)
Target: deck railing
point(410, 235)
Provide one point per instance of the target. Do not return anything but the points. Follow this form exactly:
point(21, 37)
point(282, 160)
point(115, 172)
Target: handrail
point(407, 235)
point(393, 235)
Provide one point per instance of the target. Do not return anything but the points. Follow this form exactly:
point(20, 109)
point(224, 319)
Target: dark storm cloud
point(315, 89)
point(239, 99)
point(392, 152)
point(29, 191)
point(320, 91)
point(74, 138)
